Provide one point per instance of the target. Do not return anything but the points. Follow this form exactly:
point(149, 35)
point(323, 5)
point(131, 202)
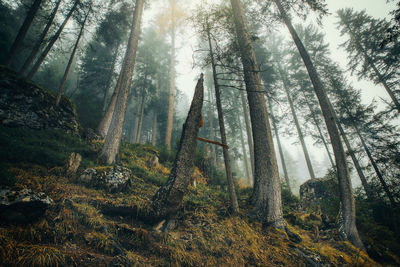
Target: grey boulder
point(114, 179)
point(22, 206)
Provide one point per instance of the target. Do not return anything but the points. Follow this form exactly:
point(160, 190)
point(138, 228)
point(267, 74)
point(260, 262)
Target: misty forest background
point(80, 49)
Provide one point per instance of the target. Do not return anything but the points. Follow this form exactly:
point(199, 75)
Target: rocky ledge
point(24, 104)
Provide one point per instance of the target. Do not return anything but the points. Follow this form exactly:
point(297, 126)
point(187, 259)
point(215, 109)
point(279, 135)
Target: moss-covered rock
point(112, 179)
point(320, 195)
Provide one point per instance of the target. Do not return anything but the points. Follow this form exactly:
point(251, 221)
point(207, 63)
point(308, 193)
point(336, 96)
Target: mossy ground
point(75, 232)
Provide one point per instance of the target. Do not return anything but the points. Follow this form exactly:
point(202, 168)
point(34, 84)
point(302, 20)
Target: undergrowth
point(77, 231)
point(43, 147)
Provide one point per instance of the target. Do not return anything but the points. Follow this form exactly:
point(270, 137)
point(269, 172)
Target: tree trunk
point(16, 46)
point(274, 124)
point(246, 164)
point(108, 84)
point(354, 159)
point(105, 122)
point(136, 122)
point(228, 169)
point(171, 98)
point(320, 132)
point(248, 131)
point(71, 59)
point(114, 134)
point(212, 133)
point(267, 190)
point(139, 130)
point(53, 39)
point(296, 122)
point(346, 191)
point(154, 130)
point(39, 42)
point(167, 200)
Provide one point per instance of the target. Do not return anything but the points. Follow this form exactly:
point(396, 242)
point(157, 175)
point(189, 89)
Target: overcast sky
point(187, 76)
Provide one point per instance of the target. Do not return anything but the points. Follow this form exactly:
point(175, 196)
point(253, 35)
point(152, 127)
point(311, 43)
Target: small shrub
point(101, 242)
point(39, 255)
point(290, 202)
point(44, 147)
point(167, 156)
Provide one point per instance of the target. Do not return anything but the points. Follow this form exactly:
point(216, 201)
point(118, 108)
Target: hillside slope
point(89, 227)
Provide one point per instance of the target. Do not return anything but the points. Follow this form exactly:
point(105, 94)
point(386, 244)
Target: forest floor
point(78, 231)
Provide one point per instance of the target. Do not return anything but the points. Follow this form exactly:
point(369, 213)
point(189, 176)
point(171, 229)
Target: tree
point(393, 32)
point(150, 78)
point(100, 57)
point(296, 120)
point(109, 80)
point(346, 192)
point(227, 160)
point(275, 125)
point(36, 48)
point(60, 89)
point(22, 32)
point(379, 65)
point(174, 17)
point(114, 134)
point(167, 200)
point(172, 78)
point(248, 129)
point(267, 191)
point(244, 153)
point(53, 39)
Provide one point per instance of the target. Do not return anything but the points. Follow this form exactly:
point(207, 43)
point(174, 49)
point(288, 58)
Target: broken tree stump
point(167, 200)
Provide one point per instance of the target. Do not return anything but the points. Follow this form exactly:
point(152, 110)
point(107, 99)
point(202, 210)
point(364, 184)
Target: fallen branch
point(212, 142)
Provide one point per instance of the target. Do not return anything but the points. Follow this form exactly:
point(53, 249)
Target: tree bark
point(267, 190)
point(71, 59)
point(167, 200)
point(275, 126)
point(171, 98)
point(39, 42)
point(296, 122)
point(212, 133)
point(248, 131)
point(108, 84)
point(227, 160)
point(346, 191)
point(53, 39)
point(106, 120)
point(246, 164)
point(114, 134)
point(16, 46)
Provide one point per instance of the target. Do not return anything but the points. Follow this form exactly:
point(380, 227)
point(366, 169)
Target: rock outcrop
point(315, 191)
point(111, 179)
point(22, 206)
point(24, 104)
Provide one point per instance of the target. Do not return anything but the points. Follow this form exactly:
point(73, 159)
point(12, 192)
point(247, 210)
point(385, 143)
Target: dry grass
point(207, 235)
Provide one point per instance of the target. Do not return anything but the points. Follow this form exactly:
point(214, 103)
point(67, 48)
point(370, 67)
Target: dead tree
point(167, 201)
